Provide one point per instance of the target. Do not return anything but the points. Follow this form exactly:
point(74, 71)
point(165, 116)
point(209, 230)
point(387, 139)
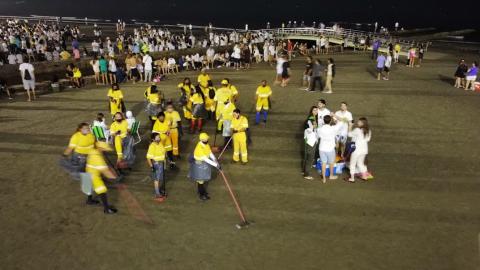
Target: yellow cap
point(224, 82)
point(203, 136)
point(104, 146)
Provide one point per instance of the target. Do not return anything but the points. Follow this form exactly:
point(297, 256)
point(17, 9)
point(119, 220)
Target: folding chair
point(134, 132)
point(98, 133)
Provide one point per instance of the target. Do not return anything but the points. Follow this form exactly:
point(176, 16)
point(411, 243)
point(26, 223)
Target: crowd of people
point(200, 101)
point(334, 139)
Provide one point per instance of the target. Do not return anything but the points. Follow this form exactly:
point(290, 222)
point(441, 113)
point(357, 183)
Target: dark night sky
point(257, 12)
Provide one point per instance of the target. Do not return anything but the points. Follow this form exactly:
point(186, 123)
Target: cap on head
point(224, 82)
point(129, 114)
point(204, 136)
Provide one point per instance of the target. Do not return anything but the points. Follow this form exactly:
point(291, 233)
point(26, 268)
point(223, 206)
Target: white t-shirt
point(29, 67)
point(327, 134)
point(321, 114)
point(343, 117)
point(361, 141)
point(280, 62)
point(112, 67)
point(12, 59)
point(147, 60)
point(388, 62)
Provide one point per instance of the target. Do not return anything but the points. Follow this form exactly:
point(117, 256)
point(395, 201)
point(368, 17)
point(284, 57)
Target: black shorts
point(386, 69)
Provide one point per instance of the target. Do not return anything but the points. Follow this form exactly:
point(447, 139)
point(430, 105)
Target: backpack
point(26, 75)
point(211, 93)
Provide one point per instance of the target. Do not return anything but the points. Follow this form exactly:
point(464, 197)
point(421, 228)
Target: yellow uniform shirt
point(154, 98)
point(196, 99)
point(173, 117)
point(156, 151)
point(240, 124)
point(227, 111)
point(186, 87)
point(203, 80)
point(398, 47)
point(264, 91)
point(233, 90)
point(201, 151)
point(161, 127)
point(117, 95)
point(122, 127)
point(223, 94)
point(82, 144)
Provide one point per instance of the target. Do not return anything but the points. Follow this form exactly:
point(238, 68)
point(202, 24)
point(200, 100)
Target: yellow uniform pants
point(98, 184)
point(174, 140)
point(187, 111)
point(118, 147)
point(167, 143)
point(262, 103)
point(240, 146)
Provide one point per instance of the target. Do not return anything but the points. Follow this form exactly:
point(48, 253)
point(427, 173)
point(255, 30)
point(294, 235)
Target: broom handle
point(225, 148)
point(239, 210)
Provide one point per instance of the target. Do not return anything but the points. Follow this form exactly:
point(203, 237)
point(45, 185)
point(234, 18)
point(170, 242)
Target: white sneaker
point(328, 92)
point(333, 177)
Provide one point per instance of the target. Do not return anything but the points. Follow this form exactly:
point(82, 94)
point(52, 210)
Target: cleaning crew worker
point(154, 103)
point(163, 126)
point(201, 166)
point(81, 142)
point(225, 120)
point(263, 94)
point(119, 130)
point(185, 93)
point(233, 90)
point(156, 160)
point(97, 167)
point(115, 96)
point(198, 105)
point(221, 96)
point(175, 128)
point(239, 127)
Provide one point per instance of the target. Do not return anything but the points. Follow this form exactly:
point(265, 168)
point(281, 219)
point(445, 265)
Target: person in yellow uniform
point(221, 96)
point(198, 109)
point(239, 128)
point(203, 78)
point(115, 96)
point(119, 131)
point(77, 77)
point(156, 161)
point(209, 94)
point(97, 167)
point(201, 166)
point(263, 94)
point(185, 93)
point(75, 154)
point(154, 103)
point(225, 120)
point(233, 90)
point(176, 127)
point(163, 126)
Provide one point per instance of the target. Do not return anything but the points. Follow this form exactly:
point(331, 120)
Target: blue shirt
point(381, 61)
point(473, 71)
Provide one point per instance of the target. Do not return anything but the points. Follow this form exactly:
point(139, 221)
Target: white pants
point(357, 163)
point(148, 75)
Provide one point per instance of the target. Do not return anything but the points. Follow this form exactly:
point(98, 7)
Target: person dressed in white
point(360, 135)
point(28, 78)
point(388, 65)
point(100, 122)
point(344, 118)
point(322, 111)
point(327, 134)
point(147, 61)
point(130, 119)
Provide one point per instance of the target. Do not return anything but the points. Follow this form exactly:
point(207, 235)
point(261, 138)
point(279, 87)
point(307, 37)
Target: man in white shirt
point(327, 134)
point(95, 48)
point(344, 118)
point(147, 61)
point(322, 111)
point(28, 78)
point(210, 55)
